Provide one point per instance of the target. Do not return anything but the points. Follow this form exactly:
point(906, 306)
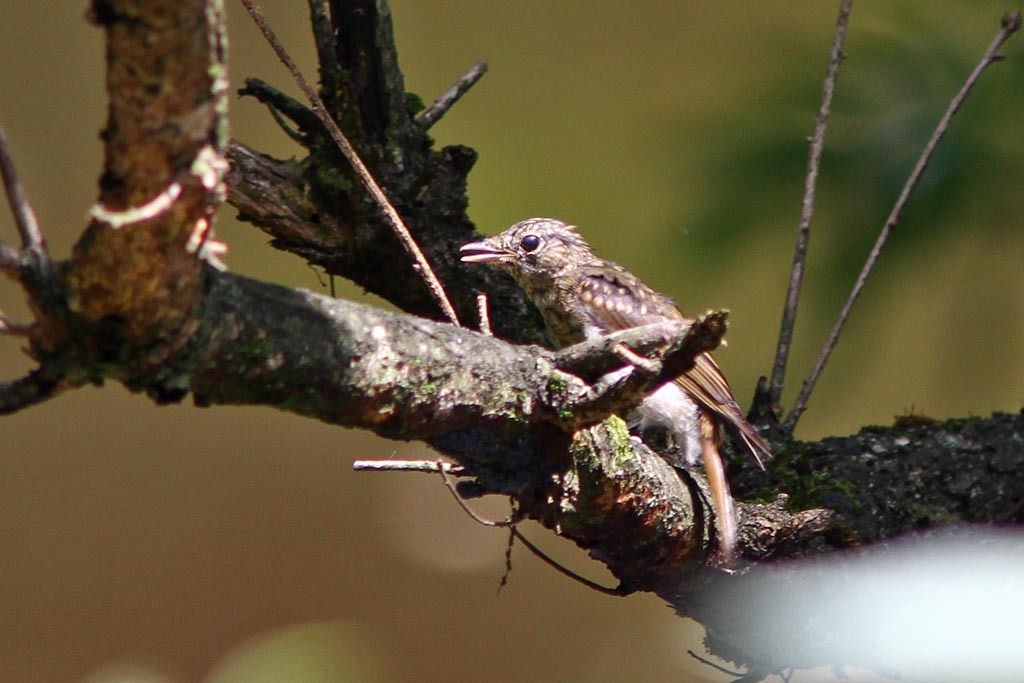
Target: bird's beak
point(482, 252)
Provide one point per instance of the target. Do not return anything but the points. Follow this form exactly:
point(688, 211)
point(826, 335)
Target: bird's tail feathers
point(754, 444)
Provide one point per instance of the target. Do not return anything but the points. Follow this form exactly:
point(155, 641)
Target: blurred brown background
point(140, 543)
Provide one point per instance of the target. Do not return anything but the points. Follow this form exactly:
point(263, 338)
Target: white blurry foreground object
point(943, 606)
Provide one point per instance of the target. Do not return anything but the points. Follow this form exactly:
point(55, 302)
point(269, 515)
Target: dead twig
point(803, 233)
point(713, 665)
point(617, 591)
point(439, 108)
point(510, 524)
point(473, 514)
point(1011, 22)
point(431, 466)
point(365, 177)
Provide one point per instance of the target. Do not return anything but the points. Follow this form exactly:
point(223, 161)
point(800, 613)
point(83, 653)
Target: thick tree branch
point(138, 305)
point(135, 271)
point(366, 97)
point(407, 377)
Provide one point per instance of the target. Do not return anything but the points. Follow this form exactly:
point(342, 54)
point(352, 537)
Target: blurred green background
point(172, 544)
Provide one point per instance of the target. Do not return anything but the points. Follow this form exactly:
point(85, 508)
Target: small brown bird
point(580, 297)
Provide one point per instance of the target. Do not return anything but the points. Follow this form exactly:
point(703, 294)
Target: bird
point(581, 297)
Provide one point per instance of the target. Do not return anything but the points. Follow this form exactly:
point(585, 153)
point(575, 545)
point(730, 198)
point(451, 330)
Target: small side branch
point(591, 359)
point(365, 177)
point(1011, 23)
point(36, 387)
point(609, 396)
point(24, 216)
point(439, 108)
point(803, 233)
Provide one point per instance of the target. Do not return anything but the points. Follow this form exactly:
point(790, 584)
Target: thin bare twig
point(617, 591)
point(713, 665)
point(1011, 23)
point(473, 514)
point(31, 389)
point(365, 177)
point(439, 108)
point(803, 233)
point(510, 524)
point(24, 216)
point(431, 466)
point(508, 561)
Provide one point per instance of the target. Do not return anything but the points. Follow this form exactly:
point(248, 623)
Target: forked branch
point(1010, 25)
point(803, 233)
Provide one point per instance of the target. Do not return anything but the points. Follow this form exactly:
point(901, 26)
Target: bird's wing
point(614, 299)
point(706, 383)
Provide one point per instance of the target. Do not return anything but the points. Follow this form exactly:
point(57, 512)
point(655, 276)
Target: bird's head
point(536, 247)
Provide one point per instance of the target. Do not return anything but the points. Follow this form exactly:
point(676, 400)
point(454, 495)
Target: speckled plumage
point(581, 296)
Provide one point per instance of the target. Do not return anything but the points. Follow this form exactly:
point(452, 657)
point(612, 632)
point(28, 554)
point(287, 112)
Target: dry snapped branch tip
point(1010, 24)
point(430, 466)
point(365, 177)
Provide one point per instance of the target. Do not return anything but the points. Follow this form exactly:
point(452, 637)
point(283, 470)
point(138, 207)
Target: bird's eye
point(530, 243)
